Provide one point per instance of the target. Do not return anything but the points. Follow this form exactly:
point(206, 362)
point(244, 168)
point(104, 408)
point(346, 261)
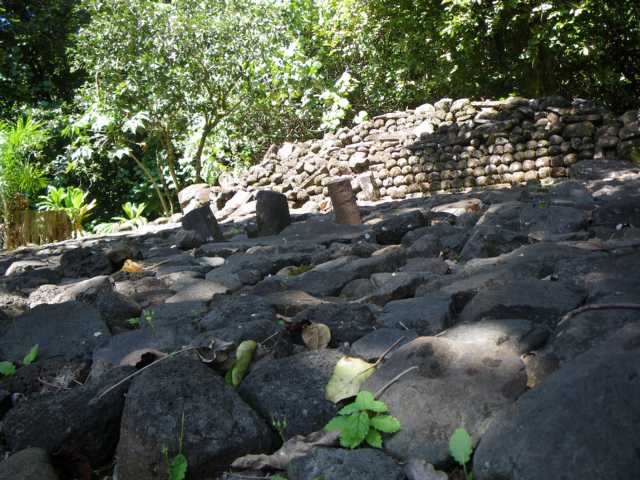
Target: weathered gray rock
point(28, 464)
point(391, 229)
point(292, 302)
point(348, 322)
point(198, 291)
point(427, 315)
point(183, 398)
point(76, 420)
point(593, 403)
point(539, 301)
point(272, 212)
point(69, 330)
point(98, 292)
point(456, 384)
point(340, 464)
point(544, 221)
point(85, 262)
point(292, 390)
point(374, 344)
point(188, 239)
point(203, 221)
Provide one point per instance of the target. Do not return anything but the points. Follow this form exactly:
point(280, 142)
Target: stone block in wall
point(581, 129)
point(544, 172)
point(630, 130)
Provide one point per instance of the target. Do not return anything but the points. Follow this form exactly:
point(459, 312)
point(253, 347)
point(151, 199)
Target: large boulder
point(456, 384)
point(85, 262)
point(28, 464)
point(540, 301)
point(98, 292)
point(581, 422)
point(184, 399)
point(340, 464)
point(70, 330)
point(272, 212)
point(427, 315)
point(80, 420)
point(291, 390)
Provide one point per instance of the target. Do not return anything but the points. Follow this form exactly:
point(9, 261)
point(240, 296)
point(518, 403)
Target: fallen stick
point(601, 306)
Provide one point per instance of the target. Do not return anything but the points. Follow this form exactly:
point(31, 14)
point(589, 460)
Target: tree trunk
point(148, 174)
point(171, 160)
point(197, 159)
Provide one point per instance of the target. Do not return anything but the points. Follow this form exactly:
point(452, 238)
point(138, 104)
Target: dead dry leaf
point(295, 447)
point(349, 374)
point(144, 355)
point(316, 336)
point(131, 267)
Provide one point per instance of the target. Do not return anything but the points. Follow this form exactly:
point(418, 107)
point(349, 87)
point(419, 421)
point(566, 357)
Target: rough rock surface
point(486, 273)
point(591, 403)
point(338, 464)
point(31, 463)
point(455, 384)
point(182, 398)
point(291, 390)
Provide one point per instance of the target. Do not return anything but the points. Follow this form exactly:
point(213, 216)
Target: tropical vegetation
point(130, 100)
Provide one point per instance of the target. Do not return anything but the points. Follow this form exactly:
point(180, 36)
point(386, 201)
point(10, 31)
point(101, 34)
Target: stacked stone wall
point(451, 144)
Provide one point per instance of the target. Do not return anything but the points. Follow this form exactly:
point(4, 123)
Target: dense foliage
point(140, 97)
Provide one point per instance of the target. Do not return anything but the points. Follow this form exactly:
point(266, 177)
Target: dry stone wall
point(450, 144)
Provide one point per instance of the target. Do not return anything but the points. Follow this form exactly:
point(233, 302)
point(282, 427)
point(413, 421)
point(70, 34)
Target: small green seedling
point(178, 465)
point(280, 426)
point(461, 448)
point(7, 369)
point(277, 477)
point(244, 355)
point(32, 356)
point(148, 318)
point(363, 420)
point(133, 322)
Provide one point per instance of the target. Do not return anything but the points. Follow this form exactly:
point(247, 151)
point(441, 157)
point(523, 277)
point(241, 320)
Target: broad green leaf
point(366, 401)
point(355, 430)
point(337, 423)
point(244, 355)
point(374, 438)
point(349, 409)
point(385, 423)
point(178, 470)
point(460, 446)
point(7, 368)
point(32, 355)
point(347, 377)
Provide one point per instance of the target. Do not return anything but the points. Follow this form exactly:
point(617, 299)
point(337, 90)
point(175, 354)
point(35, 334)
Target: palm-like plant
point(20, 176)
point(20, 143)
point(133, 219)
point(71, 200)
point(133, 215)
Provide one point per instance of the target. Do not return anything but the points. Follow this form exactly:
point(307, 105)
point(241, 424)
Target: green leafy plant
point(72, 201)
point(363, 420)
point(133, 322)
point(178, 465)
point(461, 448)
point(148, 316)
point(32, 355)
point(277, 477)
point(132, 219)
point(7, 369)
point(280, 426)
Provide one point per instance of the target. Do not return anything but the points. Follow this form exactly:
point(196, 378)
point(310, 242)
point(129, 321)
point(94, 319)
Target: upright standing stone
point(272, 212)
point(344, 202)
point(370, 190)
point(204, 222)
